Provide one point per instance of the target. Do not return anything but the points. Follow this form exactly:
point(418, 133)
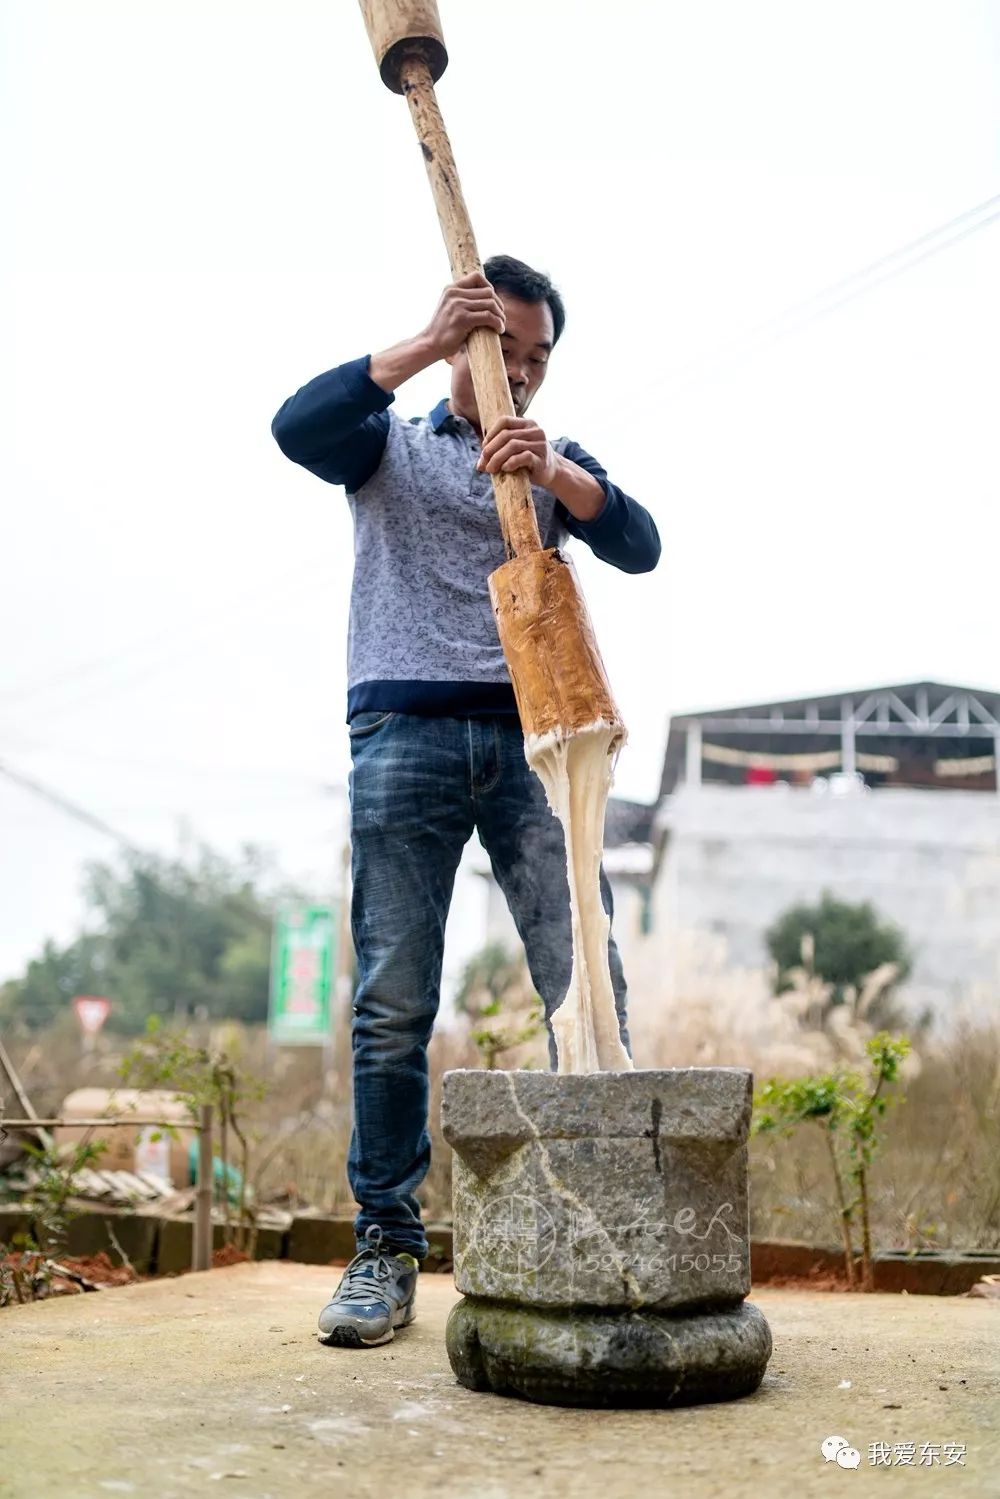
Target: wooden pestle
point(571, 724)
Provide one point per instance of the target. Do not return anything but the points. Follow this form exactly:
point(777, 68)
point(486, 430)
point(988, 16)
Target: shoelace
point(369, 1268)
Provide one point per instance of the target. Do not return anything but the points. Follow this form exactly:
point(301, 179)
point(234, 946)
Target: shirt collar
point(440, 416)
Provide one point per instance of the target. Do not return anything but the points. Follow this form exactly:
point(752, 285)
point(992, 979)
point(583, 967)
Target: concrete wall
point(928, 860)
point(737, 857)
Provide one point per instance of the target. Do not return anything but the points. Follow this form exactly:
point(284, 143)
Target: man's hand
point(466, 304)
point(517, 442)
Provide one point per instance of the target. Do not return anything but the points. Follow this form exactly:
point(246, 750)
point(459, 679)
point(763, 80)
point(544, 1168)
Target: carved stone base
point(608, 1358)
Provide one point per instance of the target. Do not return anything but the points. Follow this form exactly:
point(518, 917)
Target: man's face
point(526, 344)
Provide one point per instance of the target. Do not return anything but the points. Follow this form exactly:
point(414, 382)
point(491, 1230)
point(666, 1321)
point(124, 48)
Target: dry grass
point(935, 1184)
point(299, 1133)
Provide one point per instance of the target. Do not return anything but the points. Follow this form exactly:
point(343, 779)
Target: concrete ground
point(215, 1384)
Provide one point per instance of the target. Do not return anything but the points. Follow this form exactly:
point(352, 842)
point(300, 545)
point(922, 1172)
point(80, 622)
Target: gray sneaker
point(375, 1296)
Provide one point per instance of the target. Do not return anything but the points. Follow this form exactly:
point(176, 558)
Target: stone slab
point(933, 1272)
point(87, 1234)
point(13, 1220)
point(175, 1243)
point(604, 1190)
point(316, 1240)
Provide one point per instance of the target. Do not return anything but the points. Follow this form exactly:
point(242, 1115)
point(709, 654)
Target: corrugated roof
point(961, 721)
point(835, 699)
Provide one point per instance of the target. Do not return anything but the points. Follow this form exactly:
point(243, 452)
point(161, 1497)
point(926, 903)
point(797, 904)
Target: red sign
point(91, 1010)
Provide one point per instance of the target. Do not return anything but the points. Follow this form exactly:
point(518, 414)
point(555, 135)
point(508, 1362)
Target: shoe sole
point(349, 1337)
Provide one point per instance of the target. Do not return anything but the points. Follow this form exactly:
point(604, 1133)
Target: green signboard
point(302, 968)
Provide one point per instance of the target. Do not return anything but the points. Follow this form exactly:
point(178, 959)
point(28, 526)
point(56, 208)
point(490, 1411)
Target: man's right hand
point(466, 304)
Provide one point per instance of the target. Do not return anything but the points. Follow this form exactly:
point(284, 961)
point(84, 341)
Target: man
point(436, 744)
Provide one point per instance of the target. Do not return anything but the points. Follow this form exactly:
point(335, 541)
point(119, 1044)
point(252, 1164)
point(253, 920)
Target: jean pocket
point(363, 724)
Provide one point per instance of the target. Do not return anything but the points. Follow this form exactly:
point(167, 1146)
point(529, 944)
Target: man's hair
point(507, 274)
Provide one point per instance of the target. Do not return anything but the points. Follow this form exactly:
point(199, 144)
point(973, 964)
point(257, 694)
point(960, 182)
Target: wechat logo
point(839, 1450)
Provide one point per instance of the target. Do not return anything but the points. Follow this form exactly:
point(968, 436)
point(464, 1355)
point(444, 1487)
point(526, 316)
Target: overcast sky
point(207, 202)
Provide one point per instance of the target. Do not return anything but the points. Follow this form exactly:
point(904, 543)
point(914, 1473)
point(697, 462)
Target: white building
point(888, 795)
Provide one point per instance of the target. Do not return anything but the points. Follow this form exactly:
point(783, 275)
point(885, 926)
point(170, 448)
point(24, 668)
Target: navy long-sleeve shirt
point(422, 638)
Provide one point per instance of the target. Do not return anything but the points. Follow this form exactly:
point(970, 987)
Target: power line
point(991, 208)
point(92, 820)
point(799, 315)
point(70, 808)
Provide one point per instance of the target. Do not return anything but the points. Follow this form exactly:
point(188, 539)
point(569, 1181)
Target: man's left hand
point(517, 442)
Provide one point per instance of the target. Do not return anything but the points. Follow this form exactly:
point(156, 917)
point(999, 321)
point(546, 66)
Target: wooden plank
point(117, 1188)
point(88, 1183)
point(157, 1185)
point(131, 1182)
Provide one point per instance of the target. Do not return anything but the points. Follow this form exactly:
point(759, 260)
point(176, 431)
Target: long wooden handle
point(489, 377)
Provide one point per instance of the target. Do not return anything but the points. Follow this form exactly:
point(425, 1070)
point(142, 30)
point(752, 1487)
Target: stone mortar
point(602, 1235)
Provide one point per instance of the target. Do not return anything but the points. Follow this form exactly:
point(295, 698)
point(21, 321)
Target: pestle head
point(548, 641)
point(400, 30)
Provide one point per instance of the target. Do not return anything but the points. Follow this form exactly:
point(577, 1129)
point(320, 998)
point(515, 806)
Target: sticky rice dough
point(576, 771)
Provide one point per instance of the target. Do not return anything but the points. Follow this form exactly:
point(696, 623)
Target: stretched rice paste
point(575, 770)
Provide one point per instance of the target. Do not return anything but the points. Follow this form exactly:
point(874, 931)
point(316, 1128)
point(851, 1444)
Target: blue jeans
point(419, 788)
